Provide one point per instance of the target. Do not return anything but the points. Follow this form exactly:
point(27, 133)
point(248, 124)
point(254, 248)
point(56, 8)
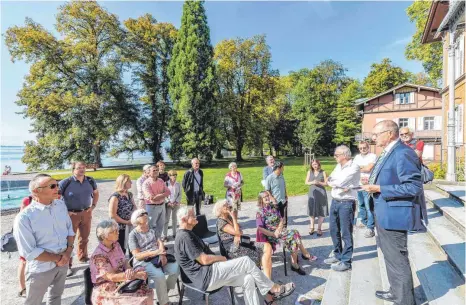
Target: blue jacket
point(398, 205)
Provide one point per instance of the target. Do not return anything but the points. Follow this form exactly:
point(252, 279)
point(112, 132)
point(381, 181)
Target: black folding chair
point(188, 284)
point(88, 286)
point(202, 230)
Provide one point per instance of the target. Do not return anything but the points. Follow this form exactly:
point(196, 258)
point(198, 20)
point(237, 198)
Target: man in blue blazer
point(395, 186)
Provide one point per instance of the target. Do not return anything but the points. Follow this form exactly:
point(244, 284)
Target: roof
point(455, 12)
point(437, 12)
point(365, 100)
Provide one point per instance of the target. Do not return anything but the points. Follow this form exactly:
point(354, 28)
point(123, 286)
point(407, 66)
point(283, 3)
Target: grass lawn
point(214, 174)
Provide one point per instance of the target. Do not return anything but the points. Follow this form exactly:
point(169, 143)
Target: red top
point(417, 145)
point(26, 201)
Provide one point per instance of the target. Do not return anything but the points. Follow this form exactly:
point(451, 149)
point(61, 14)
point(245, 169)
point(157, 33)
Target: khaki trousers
point(82, 228)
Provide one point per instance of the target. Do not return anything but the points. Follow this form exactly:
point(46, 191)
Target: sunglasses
point(51, 186)
point(142, 214)
point(404, 134)
point(174, 175)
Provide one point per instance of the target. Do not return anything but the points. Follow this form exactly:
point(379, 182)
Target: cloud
point(399, 42)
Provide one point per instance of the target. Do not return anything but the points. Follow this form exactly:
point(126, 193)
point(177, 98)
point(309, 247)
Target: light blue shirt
point(276, 186)
point(40, 228)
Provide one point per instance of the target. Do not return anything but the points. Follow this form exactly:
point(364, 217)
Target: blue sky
point(300, 34)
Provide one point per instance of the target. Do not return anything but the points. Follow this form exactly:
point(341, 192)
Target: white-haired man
point(193, 185)
point(44, 234)
point(139, 182)
point(270, 160)
point(344, 180)
point(209, 272)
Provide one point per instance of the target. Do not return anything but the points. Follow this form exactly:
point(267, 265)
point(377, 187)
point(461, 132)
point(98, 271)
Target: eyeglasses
point(337, 155)
point(174, 175)
point(51, 186)
point(142, 214)
point(377, 134)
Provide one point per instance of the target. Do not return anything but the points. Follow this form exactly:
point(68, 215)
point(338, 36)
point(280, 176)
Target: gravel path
point(311, 285)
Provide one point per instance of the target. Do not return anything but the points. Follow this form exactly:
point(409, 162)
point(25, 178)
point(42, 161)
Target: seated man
point(209, 272)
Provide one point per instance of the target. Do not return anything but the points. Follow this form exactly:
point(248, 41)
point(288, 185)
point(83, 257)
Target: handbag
point(156, 260)
point(131, 286)
point(245, 241)
point(426, 174)
point(8, 243)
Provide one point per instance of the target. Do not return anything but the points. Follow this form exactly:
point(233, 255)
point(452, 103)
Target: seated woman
point(109, 268)
point(145, 248)
point(230, 234)
point(270, 229)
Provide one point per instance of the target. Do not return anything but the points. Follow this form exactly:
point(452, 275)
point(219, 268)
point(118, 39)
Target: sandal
point(22, 293)
point(285, 290)
point(319, 232)
point(311, 258)
point(311, 232)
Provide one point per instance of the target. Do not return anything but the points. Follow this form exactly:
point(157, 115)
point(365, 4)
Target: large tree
point(148, 49)
point(348, 123)
point(384, 76)
point(74, 91)
point(246, 89)
point(430, 54)
point(314, 95)
point(192, 83)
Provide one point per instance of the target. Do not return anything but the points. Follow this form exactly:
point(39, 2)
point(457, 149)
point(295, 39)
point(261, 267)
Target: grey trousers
point(170, 212)
point(240, 272)
point(156, 215)
point(37, 284)
point(394, 246)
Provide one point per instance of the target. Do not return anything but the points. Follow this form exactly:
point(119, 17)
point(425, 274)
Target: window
point(429, 123)
point(403, 122)
point(403, 98)
point(459, 57)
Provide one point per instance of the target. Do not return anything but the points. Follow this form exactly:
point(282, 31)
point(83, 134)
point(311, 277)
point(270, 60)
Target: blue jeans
point(341, 229)
point(367, 218)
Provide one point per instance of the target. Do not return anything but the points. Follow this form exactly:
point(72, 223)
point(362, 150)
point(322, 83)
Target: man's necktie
point(376, 168)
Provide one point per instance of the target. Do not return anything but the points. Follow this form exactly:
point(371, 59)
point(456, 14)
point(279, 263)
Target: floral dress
point(125, 207)
point(234, 194)
point(105, 260)
point(235, 251)
point(269, 218)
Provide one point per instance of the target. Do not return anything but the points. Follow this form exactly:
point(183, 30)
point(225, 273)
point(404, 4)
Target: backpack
point(68, 182)
point(8, 243)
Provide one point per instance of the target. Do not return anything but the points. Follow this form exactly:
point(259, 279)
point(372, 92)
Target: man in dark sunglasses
point(44, 235)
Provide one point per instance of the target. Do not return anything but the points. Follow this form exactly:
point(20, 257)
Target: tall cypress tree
point(192, 83)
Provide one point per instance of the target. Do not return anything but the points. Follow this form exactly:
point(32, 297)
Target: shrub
point(438, 169)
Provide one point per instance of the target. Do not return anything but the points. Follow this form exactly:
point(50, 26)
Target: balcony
point(435, 135)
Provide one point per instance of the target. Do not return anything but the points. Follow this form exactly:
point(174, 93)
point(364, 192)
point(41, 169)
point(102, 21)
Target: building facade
point(409, 105)
point(446, 24)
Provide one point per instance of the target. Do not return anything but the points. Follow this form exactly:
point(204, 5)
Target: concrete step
point(337, 288)
point(419, 294)
point(455, 192)
point(447, 236)
point(365, 274)
point(450, 208)
point(441, 283)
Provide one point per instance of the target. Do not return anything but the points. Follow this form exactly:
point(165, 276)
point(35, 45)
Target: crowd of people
point(131, 261)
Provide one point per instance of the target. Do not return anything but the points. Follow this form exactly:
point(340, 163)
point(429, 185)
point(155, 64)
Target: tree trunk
point(97, 154)
point(239, 148)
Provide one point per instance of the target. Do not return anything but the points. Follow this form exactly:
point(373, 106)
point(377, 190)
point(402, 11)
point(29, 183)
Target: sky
point(300, 35)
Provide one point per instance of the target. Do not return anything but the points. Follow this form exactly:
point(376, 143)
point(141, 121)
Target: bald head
point(385, 132)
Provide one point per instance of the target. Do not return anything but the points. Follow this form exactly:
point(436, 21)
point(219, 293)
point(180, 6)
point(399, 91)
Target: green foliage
point(438, 169)
point(246, 90)
point(420, 79)
point(348, 122)
point(429, 54)
point(314, 94)
point(74, 92)
point(383, 76)
point(192, 83)
point(148, 49)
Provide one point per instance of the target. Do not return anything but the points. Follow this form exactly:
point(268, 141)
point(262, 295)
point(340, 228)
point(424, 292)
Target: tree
point(246, 89)
point(420, 79)
point(148, 49)
point(384, 76)
point(74, 92)
point(348, 122)
point(192, 82)
point(314, 95)
point(431, 55)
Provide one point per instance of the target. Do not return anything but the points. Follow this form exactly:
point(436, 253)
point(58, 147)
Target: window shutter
point(459, 122)
point(411, 123)
point(438, 123)
point(397, 99)
point(420, 123)
point(411, 98)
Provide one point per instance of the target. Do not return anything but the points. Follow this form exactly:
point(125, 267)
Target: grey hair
point(146, 167)
point(217, 210)
point(105, 227)
point(344, 150)
point(136, 214)
point(268, 157)
point(409, 129)
point(231, 165)
point(182, 213)
point(35, 182)
point(390, 125)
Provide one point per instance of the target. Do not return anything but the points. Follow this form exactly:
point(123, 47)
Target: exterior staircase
point(437, 258)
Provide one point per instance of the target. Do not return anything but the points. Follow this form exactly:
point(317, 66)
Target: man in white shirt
point(344, 181)
point(365, 160)
point(139, 182)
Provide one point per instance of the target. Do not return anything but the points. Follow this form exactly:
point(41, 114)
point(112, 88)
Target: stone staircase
point(437, 258)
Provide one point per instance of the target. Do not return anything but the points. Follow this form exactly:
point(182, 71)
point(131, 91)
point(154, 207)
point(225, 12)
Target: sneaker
point(340, 266)
point(70, 272)
point(369, 233)
point(331, 260)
